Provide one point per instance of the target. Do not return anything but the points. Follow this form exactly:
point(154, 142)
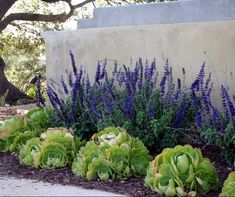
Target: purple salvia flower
point(39, 93)
point(151, 70)
point(98, 73)
point(229, 102)
point(224, 102)
point(150, 111)
point(65, 88)
point(162, 87)
point(178, 84)
point(70, 80)
point(140, 83)
point(201, 75)
point(184, 77)
point(75, 91)
point(146, 70)
point(199, 119)
point(103, 70)
point(115, 68)
point(73, 63)
point(129, 106)
point(55, 97)
point(87, 85)
point(166, 68)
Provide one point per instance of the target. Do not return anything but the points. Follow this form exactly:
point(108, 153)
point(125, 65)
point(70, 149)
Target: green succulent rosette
point(100, 168)
point(51, 155)
point(111, 135)
point(29, 152)
point(84, 158)
point(36, 120)
point(62, 136)
point(113, 153)
point(228, 189)
point(20, 140)
point(13, 125)
point(139, 157)
point(181, 171)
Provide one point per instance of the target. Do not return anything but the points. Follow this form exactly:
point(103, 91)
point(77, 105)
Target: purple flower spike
point(73, 63)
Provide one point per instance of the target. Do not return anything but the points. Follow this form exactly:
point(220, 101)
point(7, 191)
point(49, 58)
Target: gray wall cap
point(184, 11)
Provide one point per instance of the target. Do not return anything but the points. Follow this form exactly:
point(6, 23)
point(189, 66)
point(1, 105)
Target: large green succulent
point(20, 140)
point(113, 153)
point(29, 151)
point(37, 120)
point(111, 135)
point(62, 136)
point(15, 127)
point(228, 189)
point(181, 171)
point(55, 148)
point(51, 155)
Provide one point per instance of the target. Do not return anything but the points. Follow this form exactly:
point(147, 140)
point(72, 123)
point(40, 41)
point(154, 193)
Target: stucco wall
point(186, 45)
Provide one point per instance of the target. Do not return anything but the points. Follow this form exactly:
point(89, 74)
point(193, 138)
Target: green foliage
point(37, 120)
point(15, 131)
point(52, 155)
point(13, 125)
point(55, 148)
point(2, 145)
point(111, 154)
point(29, 151)
point(181, 171)
point(62, 136)
point(20, 140)
point(228, 189)
point(225, 140)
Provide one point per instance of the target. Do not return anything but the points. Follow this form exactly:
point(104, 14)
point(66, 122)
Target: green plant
point(225, 140)
point(181, 171)
point(62, 136)
point(51, 155)
point(112, 153)
point(55, 148)
point(228, 189)
point(33, 123)
point(20, 140)
point(29, 151)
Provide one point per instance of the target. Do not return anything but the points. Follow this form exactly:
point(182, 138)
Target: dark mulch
point(9, 166)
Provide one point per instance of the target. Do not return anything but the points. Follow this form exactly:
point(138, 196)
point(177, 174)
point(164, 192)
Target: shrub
point(150, 107)
point(112, 153)
point(219, 127)
point(228, 189)
point(181, 171)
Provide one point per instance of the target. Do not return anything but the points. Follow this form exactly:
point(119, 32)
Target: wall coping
point(182, 11)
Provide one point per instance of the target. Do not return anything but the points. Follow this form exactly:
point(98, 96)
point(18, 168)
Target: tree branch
point(41, 17)
point(5, 5)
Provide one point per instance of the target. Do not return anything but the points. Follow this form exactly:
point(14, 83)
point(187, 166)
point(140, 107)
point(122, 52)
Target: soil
point(9, 166)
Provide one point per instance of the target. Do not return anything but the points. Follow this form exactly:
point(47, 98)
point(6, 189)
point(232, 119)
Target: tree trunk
point(14, 94)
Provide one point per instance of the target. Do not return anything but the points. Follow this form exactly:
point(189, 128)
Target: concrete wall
point(185, 44)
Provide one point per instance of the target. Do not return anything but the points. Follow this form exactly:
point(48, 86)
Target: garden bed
point(9, 166)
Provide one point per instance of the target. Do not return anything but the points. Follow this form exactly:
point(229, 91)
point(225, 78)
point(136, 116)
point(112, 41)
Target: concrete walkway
point(10, 186)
